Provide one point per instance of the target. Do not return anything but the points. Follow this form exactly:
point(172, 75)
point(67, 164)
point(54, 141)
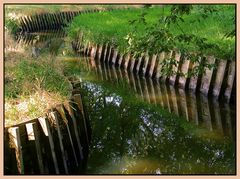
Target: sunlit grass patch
point(114, 26)
point(29, 107)
point(31, 87)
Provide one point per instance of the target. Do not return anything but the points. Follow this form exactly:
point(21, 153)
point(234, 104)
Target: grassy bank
point(114, 27)
point(32, 86)
point(29, 9)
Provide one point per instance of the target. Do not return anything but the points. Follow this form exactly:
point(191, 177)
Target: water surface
point(143, 126)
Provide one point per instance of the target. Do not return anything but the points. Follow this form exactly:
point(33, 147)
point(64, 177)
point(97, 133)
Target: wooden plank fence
point(210, 83)
point(53, 21)
point(57, 143)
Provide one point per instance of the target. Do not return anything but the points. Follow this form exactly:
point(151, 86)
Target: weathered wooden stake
point(206, 79)
point(100, 49)
point(153, 62)
point(159, 67)
point(131, 65)
point(78, 99)
point(139, 61)
point(60, 137)
point(15, 138)
point(46, 128)
point(230, 80)
point(172, 78)
point(114, 58)
point(126, 61)
point(219, 77)
point(194, 79)
point(184, 70)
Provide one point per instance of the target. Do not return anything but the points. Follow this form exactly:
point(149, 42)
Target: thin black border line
point(4, 4)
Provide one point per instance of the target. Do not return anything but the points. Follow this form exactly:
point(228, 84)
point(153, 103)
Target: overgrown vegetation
point(194, 30)
point(32, 87)
point(39, 82)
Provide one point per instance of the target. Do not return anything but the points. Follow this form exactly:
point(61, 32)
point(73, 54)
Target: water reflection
point(198, 109)
point(130, 137)
point(41, 42)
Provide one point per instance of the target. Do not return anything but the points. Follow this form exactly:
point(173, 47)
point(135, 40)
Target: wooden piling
point(219, 77)
point(33, 133)
point(172, 78)
point(70, 135)
point(114, 58)
point(47, 131)
point(194, 79)
point(132, 63)
point(184, 70)
point(75, 123)
point(167, 56)
point(159, 66)
point(78, 99)
point(99, 52)
point(144, 69)
point(60, 137)
point(106, 51)
point(126, 61)
point(138, 64)
point(230, 80)
point(102, 52)
point(152, 66)
point(109, 55)
point(207, 76)
point(93, 52)
point(15, 139)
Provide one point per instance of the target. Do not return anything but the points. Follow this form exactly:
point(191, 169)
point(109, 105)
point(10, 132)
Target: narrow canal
point(142, 126)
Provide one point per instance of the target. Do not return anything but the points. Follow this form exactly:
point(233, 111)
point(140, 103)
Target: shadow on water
point(141, 126)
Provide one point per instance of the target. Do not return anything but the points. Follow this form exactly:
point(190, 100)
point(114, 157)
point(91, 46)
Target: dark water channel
point(142, 126)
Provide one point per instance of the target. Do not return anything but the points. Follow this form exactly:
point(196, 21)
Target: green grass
point(32, 87)
point(114, 26)
point(29, 9)
point(28, 76)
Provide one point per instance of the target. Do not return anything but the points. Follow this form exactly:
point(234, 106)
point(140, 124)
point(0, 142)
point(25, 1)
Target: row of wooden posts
point(194, 108)
point(57, 143)
point(217, 81)
point(52, 21)
point(32, 38)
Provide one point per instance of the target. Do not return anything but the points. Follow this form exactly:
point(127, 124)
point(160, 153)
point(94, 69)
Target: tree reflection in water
point(132, 137)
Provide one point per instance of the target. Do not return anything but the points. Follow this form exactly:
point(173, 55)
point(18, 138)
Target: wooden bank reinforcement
point(56, 143)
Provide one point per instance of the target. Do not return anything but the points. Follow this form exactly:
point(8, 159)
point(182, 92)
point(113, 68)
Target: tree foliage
point(159, 37)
